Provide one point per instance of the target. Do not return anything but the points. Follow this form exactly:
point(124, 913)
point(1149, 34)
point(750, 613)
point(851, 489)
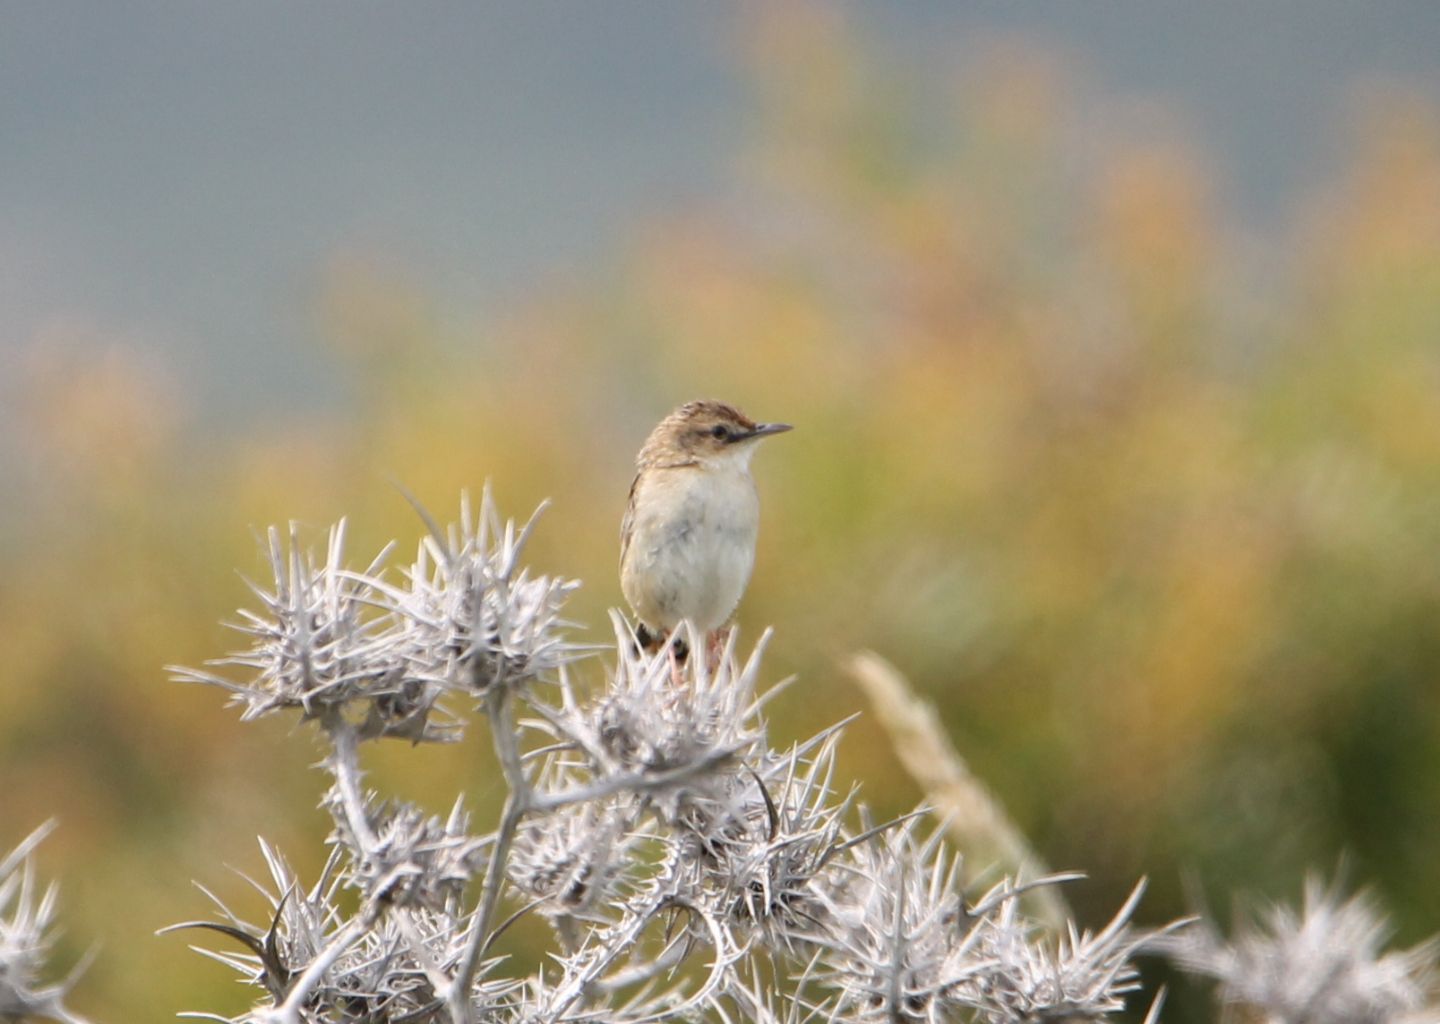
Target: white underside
point(692, 544)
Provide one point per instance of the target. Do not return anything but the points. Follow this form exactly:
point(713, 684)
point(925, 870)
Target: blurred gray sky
point(177, 174)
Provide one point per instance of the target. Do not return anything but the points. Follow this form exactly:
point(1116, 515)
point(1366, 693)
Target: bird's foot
point(646, 640)
point(651, 641)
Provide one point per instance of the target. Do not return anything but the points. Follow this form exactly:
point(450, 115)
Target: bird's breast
point(692, 545)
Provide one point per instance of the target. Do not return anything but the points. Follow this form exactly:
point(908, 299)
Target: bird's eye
point(720, 432)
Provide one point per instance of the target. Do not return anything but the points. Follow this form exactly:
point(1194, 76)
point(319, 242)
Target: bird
point(687, 541)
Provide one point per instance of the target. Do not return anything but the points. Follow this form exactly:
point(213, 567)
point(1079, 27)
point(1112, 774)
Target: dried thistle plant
point(1326, 964)
point(27, 916)
point(687, 868)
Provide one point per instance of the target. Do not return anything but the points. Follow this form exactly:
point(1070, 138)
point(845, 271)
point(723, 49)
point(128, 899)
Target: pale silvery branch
point(753, 998)
point(662, 904)
point(1326, 964)
point(27, 916)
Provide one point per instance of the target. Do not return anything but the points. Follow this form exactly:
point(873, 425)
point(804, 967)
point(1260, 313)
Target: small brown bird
point(687, 543)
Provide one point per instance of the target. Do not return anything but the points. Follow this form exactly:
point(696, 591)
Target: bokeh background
point(1111, 331)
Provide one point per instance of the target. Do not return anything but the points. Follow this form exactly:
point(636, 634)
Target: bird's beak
point(766, 429)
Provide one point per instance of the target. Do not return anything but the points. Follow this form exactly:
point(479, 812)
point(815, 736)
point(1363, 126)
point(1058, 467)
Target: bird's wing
point(627, 524)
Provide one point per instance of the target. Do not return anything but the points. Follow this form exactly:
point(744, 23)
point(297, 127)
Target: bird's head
point(706, 432)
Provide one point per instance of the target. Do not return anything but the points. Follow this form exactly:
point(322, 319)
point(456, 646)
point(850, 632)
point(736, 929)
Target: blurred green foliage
point(1149, 506)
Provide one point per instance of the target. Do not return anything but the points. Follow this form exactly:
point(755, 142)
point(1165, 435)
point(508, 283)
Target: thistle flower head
point(1324, 965)
point(412, 859)
point(670, 729)
point(905, 946)
point(333, 642)
point(26, 917)
point(472, 614)
point(652, 721)
point(295, 934)
point(900, 946)
point(377, 968)
point(786, 827)
point(322, 644)
point(573, 859)
point(1026, 977)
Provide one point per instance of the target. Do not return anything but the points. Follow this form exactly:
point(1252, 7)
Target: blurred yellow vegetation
point(1154, 520)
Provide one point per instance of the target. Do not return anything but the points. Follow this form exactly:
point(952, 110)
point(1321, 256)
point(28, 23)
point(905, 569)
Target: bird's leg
point(652, 640)
point(649, 639)
point(678, 651)
point(715, 646)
